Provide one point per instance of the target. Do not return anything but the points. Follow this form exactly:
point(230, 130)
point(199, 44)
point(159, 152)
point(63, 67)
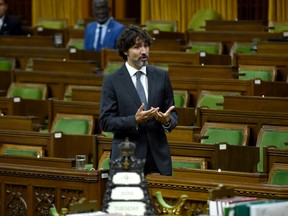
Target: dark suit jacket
point(11, 26)
point(113, 32)
point(119, 104)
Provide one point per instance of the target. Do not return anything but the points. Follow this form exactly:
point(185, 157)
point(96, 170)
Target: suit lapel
point(152, 82)
point(126, 81)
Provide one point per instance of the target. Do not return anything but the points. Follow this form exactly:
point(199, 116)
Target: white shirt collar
point(1, 21)
point(132, 70)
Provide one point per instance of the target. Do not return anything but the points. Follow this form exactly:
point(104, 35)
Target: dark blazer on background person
point(11, 26)
point(120, 102)
point(114, 29)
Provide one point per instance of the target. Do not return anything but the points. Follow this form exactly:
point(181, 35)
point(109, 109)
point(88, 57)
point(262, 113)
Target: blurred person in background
point(104, 32)
point(9, 25)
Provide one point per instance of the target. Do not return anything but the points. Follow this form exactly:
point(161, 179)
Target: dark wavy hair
point(128, 39)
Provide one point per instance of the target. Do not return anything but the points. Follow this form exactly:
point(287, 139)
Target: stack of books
point(247, 206)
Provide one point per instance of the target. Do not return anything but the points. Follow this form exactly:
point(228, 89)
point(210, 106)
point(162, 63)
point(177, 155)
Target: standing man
point(123, 112)
point(104, 32)
point(8, 25)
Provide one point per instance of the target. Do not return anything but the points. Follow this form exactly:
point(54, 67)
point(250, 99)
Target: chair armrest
point(198, 137)
point(172, 210)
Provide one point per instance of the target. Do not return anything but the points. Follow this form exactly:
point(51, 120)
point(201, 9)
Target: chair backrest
point(111, 67)
point(103, 163)
point(73, 124)
point(262, 72)
point(53, 23)
point(198, 20)
point(83, 206)
point(278, 26)
point(213, 99)
point(22, 150)
point(82, 93)
point(243, 47)
point(181, 98)
point(207, 47)
point(161, 25)
point(77, 43)
point(271, 136)
point(278, 174)
point(7, 64)
point(233, 134)
point(34, 91)
point(188, 162)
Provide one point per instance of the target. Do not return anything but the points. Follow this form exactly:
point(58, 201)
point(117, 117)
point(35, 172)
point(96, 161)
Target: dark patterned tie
point(98, 47)
point(140, 89)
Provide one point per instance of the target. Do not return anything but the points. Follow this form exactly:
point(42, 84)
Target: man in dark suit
point(144, 121)
point(104, 32)
point(8, 25)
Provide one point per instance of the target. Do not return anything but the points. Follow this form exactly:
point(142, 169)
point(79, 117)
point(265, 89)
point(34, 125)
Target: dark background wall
point(247, 9)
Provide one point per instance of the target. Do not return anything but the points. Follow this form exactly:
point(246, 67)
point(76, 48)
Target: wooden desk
point(172, 187)
point(68, 146)
point(42, 161)
point(30, 190)
point(218, 156)
point(57, 82)
point(256, 103)
point(13, 122)
point(203, 71)
point(74, 107)
point(24, 53)
point(272, 59)
point(229, 37)
point(254, 119)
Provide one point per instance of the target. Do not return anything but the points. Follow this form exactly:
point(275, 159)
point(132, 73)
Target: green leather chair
point(197, 22)
point(171, 209)
point(76, 43)
point(278, 174)
point(5, 65)
point(188, 162)
point(111, 67)
point(217, 133)
point(160, 25)
point(280, 178)
point(278, 27)
point(242, 47)
point(211, 101)
point(53, 23)
point(250, 72)
point(181, 98)
point(104, 161)
point(73, 124)
point(207, 47)
point(21, 150)
point(28, 91)
point(274, 136)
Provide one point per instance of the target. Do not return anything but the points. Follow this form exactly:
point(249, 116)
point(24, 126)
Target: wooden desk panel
point(256, 103)
point(198, 191)
point(57, 82)
point(24, 53)
point(32, 190)
point(254, 119)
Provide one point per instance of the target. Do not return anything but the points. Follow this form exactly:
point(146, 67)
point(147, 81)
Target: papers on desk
point(247, 206)
point(88, 214)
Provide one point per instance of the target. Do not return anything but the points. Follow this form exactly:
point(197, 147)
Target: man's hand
point(144, 115)
point(164, 118)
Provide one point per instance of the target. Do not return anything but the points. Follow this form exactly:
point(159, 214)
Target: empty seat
point(161, 25)
point(28, 90)
point(265, 73)
point(73, 124)
point(271, 136)
point(227, 133)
